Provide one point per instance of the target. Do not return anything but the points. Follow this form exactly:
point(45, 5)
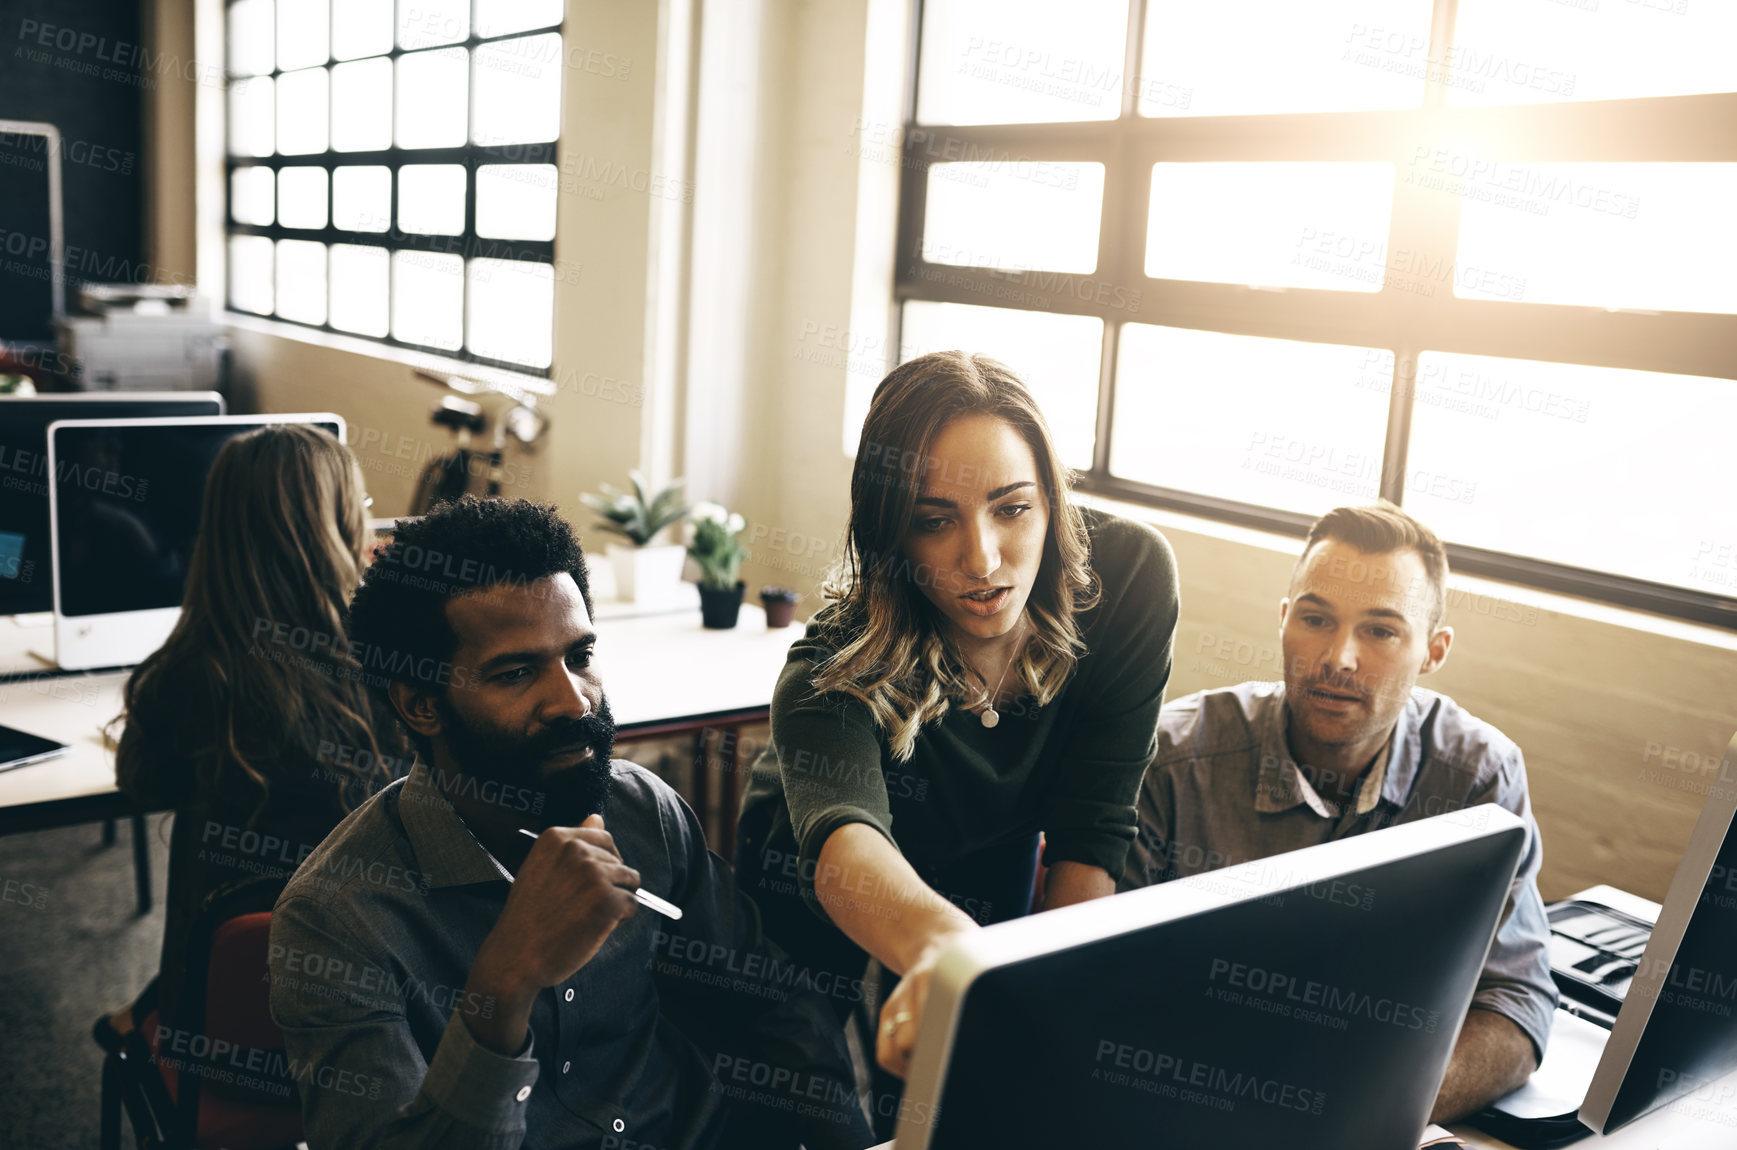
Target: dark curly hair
point(397, 619)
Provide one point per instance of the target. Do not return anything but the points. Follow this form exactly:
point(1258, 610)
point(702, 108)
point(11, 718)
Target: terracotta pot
point(780, 612)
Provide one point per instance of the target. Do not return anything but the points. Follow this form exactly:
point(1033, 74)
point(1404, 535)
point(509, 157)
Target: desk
point(1686, 1124)
point(664, 674)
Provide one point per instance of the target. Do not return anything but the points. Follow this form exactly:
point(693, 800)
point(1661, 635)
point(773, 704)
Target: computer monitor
point(125, 505)
point(1309, 1000)
point(32, 293)
point(1677, 1030)
point(26, 582)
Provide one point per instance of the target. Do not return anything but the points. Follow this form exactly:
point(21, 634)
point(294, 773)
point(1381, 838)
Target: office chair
point(178, 1093)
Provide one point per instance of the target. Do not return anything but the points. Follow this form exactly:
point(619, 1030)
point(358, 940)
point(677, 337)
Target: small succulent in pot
point(780, 604)
point(633, 514)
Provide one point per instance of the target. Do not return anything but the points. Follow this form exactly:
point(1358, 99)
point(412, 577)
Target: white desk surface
point(656, 668)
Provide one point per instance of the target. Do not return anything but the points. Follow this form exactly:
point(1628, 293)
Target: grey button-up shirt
point(675, 1034)
point(1223, 789)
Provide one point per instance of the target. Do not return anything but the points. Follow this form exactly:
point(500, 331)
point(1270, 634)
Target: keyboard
point(1594, 953)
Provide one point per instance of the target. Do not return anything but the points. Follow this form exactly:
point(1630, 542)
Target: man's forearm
point(1492, 1057)
point(1068, 882)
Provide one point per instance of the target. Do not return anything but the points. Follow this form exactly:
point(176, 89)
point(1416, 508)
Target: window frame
point(1647, 129)
point(467, 245)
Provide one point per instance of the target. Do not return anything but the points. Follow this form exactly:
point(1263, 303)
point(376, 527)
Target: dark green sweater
point(1070, 769)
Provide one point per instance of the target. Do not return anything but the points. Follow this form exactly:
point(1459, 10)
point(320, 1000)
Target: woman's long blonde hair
point(281, 537)
point(888, 650)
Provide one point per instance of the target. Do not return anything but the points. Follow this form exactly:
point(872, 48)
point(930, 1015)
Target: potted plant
point(780, 604)
point(718, 550)
point(644, 573)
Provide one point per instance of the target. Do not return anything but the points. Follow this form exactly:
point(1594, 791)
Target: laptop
point(1649, 994)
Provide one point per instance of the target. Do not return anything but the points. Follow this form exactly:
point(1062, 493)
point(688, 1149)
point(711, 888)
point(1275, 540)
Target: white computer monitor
point(1677, 1030)
point(1308, 1000)
point(124, 506)
point(26, 585)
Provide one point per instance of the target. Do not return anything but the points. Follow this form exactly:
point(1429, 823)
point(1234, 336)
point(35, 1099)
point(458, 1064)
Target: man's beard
point(564, 798)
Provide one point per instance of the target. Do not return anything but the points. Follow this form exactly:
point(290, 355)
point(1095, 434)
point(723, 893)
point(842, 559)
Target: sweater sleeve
point(1091, 815)
point(829, 762)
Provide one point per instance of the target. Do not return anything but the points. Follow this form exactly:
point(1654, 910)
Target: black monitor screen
point(129, 500)
point(26, 582)
point(27, 298)
point(1319, 1017)
point(1690, 1040)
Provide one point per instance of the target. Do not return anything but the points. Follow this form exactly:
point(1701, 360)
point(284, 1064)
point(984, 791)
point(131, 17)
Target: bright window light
point(360, 279)
point(362, 198)
point(1515, 52)
point(518, 90)
point(431, 198)
point(516, 201)
point(1272, 422)
point(303, 36)
point(252, 117)
point(433, 98)
point(425, 23)
point(362, 93)
point(301, 197)
point(1253, 57)
point(428, 299)
point(1525, 457)
point(1306, 225)
point(252, 50)
point(1056, 355)
point(512, 311)
point(250, 274)
point(499, 17)
point(301, 112)
point(1014, 215)
point(1021, 61)
point(361, 28)
point(301, 280)
point(1648, 236)
point(252, 196)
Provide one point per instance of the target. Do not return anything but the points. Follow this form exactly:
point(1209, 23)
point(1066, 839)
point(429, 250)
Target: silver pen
point(646, 898)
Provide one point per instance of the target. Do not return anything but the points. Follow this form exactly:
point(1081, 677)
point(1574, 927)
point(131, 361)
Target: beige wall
point(1585, 690)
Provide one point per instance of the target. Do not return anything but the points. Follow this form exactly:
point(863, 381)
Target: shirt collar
point(1280, 784)
point(445, 848)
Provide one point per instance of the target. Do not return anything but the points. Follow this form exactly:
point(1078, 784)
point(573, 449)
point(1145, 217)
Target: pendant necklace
point(990, 717)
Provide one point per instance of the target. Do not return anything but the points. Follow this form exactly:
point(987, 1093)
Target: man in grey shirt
point(444, 980)
point(1348, 743)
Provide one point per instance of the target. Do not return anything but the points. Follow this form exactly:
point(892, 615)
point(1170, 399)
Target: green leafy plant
point(773, 593)
point(632, 514)
point(717, 546)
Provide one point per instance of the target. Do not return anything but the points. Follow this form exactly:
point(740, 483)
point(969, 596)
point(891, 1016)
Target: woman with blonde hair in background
point(989, 667)
point(259, 738)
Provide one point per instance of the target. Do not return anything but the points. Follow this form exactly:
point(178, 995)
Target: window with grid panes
point(392, 170)
point(1259, 258)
